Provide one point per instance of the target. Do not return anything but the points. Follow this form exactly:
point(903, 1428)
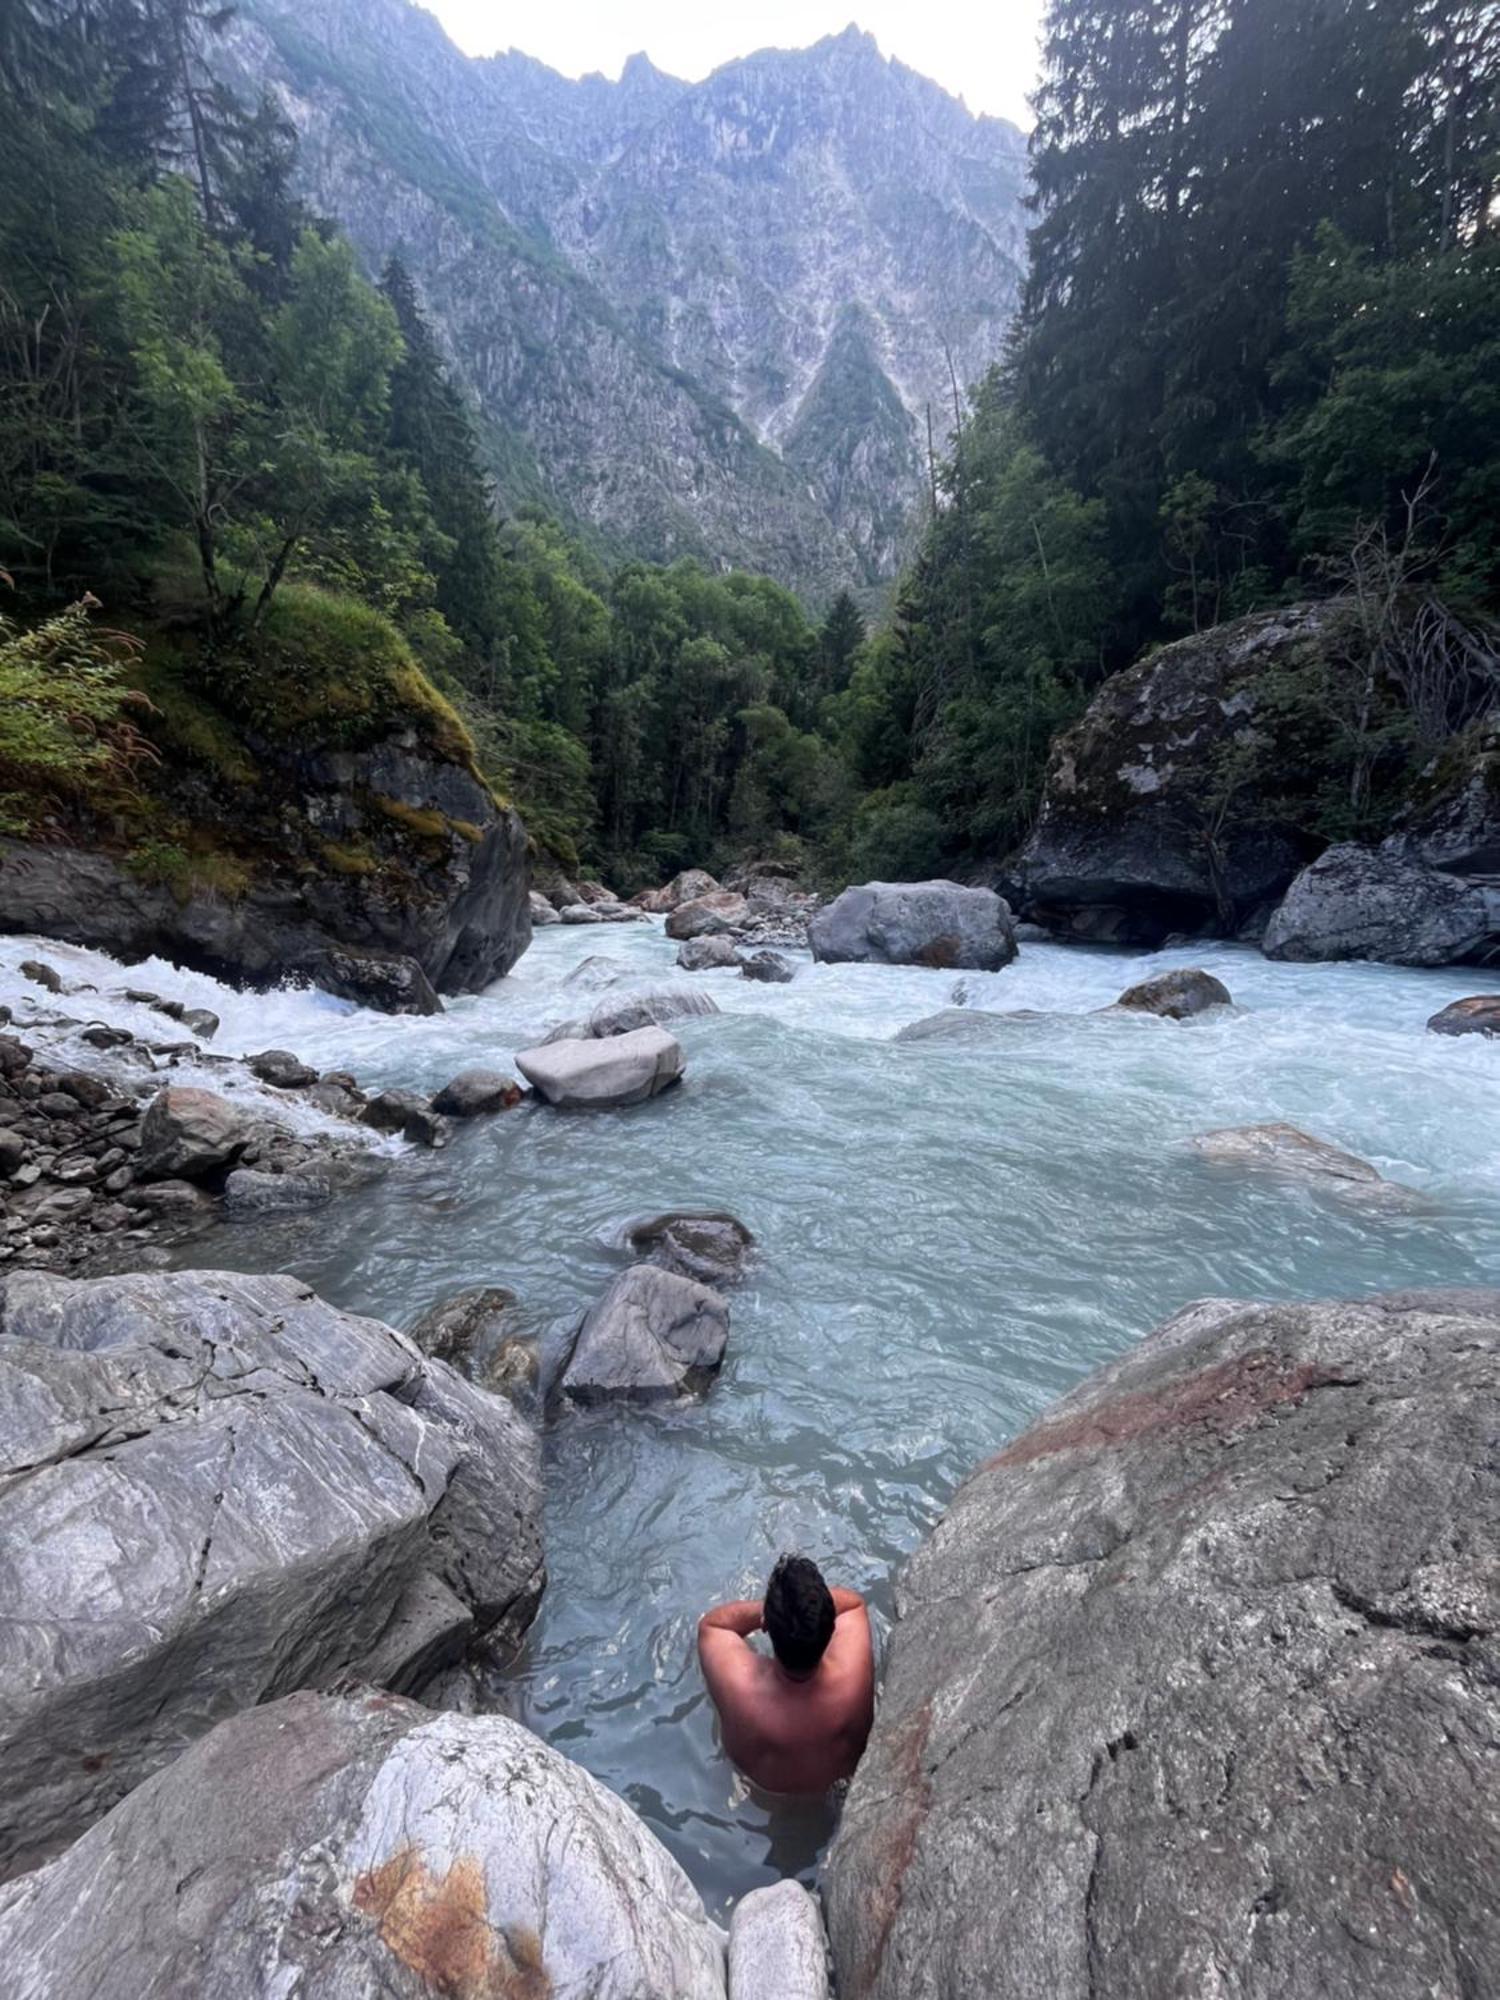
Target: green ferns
point(66, 733)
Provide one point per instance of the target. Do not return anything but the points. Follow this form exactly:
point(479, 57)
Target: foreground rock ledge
point(1196, 1688)
point(363, 1849)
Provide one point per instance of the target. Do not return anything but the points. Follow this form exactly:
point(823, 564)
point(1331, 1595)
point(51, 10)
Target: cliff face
point(703, 319)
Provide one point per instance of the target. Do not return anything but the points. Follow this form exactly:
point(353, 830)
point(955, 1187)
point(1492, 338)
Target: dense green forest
point(1259, 355)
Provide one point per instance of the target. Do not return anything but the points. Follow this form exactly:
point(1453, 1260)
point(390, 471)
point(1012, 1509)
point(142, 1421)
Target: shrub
point(65, 728)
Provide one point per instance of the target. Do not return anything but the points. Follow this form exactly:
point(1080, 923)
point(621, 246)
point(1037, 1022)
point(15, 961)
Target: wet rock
point(172, 1200)
point(41, 974)
point(13, 1151)
point(621, 1014)
point(961, 1024)
point(1176, 996)
point(711, 1247)
point(596, 972)
point(720, 913)
point(777, 1949)
point(89, 1091)
point(915, 923)
point(601, 1074)
point(1204, 1654)
point(99, 1035)
point(406, 1113)
point(1283, 1149)
point(688, 887)
point(59, 1104)
point(436, 1854)
point(579, 913)
point(281, 1069)
point(767, 966)
point(15, 1056)
point(223, 1488)
point(389, 981)
point(250, 1192)
point(339, 1100)
point(708, 954)
point(474, 1093)
point(460, 1327)
point(191, 1135)
point(1357, 902)
point(1478, 1016)
point(200, 1021)
point(652, 1336)
point(542, 912)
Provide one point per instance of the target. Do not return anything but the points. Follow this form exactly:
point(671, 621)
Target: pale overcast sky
point(984, 51)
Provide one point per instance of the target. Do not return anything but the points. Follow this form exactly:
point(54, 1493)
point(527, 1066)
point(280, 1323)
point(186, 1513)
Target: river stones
point(1478, 1016)
point(652, 1336)
point(1357, 902)
point(542, 912)
point(281, 1069)
point(360, 1846)
point(777, 1950)
point(215, 1489)
point(606, 1073)
point(1193, 1688)
point(1283, 1149)
point(476, 1093)
point(708, 954)
point(190, 1135)
point(249, 1191)
point(622, 1013)
point(1176, 996)
point(936, 924)
point(769, 967)
point(407, 1114)
point(711, 1246)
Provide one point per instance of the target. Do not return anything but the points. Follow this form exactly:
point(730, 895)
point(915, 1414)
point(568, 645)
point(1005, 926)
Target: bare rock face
point(1478, 1016)
point(602, 1074)
point(937, 924)
point(1360, 902)
point(777, 1950)
point(1176, 996)
point(215, 1489)
point(360, 1847)
point(1296, 1155)
point(652, 1336)
point(191, 1135)
point(1194, 1688)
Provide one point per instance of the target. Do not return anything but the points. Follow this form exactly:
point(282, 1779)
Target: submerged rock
point(603, 1074)
point(963, 1024)
point(622, 1014)
point(598, 971)
point(936, 924)
point(1479, 1016)
point(407, 1113)
point(711, 1246)
point(191, 1135)
point(475, 1093)
point(458, 1327)
point(1203, 1662)
point(1176, 996)
point(216, 1489)
point(652, 1336)
point(360, 1846)
point(777, 1949)
point(708, 954)
point(1357, 902)
point(1284, 1149)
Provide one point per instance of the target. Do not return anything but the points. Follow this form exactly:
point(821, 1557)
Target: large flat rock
point(363, 1848)
point(603, 1072)
point(215, 1489)
point(1195, 1689)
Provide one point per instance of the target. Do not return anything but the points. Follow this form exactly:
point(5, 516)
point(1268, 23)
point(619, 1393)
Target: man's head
point(798, 1614)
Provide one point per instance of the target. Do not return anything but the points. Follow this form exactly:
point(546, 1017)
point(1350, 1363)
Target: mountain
point(695, 319)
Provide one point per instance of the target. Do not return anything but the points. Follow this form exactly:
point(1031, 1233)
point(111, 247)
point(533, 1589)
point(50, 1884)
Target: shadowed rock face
point(215, 1489)
point(361, 1848)
point(1194, 1689)
point(1357, 902)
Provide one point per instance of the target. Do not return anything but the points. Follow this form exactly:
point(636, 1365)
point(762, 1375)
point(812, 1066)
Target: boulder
point(1453, 820)
point(964, 1024)
point(191, 1135)
point(601, 1074)
point(216, 1489)
point(708, 954)
point(542, 912)
point(580, 913)
point(711, 1246)
point(621, 1014)
point(688, 887)
point(359, 1847)
point(717, 914)
point(1479, 1016)
point(390, 982)
point(915, 923)
point(459, 1328)
point(652, 1336)
point(251, 1192)
point(777, 1950)
point(1176, 996)
point(767, 966)
point(13, 1152)
point(410, 1115)
point(1283, 1149)
point(597, 971)
point(1360, 902)
point(41, 974)
point(281, 1069)
point(473, 1093)
point(1191, 1690)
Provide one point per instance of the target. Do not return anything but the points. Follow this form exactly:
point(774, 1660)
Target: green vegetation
point(67, 709)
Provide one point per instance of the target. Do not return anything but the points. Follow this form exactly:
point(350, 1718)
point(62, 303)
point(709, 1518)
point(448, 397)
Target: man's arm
point(742, 1615)
point(845, 1600)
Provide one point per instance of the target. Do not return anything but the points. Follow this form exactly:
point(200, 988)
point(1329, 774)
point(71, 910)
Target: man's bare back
point(796, 1722)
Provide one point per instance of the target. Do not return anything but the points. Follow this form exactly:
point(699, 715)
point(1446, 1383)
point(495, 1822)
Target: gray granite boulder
point(1194, 1688)
point(542, 912)
point(652, 1336)
point(215, 1489)
point(623, 1013)
point(251, 1191)
point(359, 1847)
point(937, 924)
point(720, 913)
point(191, 1135)
point(1176, 996)
point(769, 967)
point(708, 954)
point(1356, 902)
point(1477, 1016)
point(777, 1949)
point(1285, 1150)
point(688, 887)
point(475, 1093)
point(601, 1074)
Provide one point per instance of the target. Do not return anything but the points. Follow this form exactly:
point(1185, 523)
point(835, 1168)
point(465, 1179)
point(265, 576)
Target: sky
point(984, 51)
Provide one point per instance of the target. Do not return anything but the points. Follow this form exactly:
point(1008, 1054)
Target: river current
point(948, 1236)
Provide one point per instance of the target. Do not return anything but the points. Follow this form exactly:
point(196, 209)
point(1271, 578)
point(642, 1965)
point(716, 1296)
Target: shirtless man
point(797, 1722)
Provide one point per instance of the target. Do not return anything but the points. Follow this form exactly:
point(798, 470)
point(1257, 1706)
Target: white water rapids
point(948, 1237)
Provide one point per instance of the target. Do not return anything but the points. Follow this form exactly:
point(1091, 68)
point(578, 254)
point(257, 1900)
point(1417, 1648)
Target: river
point(948, 1237)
